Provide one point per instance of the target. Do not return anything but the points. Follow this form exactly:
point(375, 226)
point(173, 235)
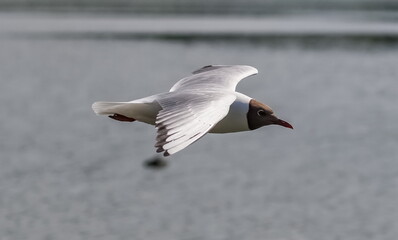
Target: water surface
point(68, 174)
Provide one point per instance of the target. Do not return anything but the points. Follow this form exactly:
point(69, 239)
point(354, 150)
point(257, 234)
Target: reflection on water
point(68, 174)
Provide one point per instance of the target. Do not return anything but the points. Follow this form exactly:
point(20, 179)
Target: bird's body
point(203, 102)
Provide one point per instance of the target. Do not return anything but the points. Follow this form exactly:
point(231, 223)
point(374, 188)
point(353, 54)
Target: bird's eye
point(261, 113)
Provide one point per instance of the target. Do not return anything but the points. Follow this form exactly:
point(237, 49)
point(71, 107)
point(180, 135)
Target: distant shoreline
point(221, 7)
point(312, 30)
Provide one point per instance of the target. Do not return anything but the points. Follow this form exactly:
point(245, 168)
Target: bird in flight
point(204, 102)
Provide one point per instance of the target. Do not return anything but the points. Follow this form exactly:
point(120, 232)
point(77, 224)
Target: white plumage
point(203, 102)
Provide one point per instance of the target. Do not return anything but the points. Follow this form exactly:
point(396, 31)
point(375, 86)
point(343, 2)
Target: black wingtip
point(205, 69)
point(207, 66)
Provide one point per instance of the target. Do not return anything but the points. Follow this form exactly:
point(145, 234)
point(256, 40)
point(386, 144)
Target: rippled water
point(68, 174)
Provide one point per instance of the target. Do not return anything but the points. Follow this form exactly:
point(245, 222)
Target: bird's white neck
point(236, 120)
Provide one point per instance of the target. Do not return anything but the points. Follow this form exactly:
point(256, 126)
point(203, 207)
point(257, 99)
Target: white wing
point(187, 116)
point(215, 77)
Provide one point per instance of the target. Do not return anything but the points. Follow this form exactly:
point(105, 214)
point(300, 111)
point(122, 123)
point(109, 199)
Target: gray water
point(68, 174)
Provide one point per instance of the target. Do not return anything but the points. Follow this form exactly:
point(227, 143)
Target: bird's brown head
point(260, 115)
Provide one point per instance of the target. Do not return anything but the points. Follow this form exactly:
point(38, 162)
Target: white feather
point(202, 111)
point(215, 77)
point(194, 106)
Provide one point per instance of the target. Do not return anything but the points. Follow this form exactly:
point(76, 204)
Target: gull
point(204, 102)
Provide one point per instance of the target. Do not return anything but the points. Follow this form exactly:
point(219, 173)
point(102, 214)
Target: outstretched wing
point(214, 77)
point(187, 116)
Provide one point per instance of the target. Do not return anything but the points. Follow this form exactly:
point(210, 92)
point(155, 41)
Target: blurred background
point(329, 67)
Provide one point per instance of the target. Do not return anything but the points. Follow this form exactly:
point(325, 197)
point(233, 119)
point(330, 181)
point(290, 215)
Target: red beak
point(284, 124)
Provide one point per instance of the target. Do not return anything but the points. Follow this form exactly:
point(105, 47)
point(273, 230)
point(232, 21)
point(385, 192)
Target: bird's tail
point(117, 110)
point(107, 108)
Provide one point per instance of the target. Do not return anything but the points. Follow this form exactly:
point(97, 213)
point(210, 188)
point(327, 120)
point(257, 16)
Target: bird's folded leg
point(121, 118)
